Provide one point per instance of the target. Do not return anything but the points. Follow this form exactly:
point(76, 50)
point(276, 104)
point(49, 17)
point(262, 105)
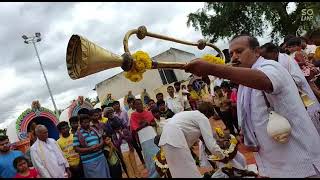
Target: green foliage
point(226, 19)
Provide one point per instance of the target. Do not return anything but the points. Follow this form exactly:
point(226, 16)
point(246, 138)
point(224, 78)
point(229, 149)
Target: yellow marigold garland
point(233, 140)
point(233, 143)
point(163, 167)
point(219, 131)
point(142, 61)
point(212, 59)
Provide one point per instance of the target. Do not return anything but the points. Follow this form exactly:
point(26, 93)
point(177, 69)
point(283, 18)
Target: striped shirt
point(91, 139)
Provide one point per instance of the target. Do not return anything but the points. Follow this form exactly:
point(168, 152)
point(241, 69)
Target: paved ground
point(218, 123)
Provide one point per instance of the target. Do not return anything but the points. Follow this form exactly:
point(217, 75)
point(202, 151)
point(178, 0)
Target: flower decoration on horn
point(142, 62)
point(212, 59)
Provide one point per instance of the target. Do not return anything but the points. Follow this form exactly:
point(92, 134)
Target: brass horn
point(85, 58)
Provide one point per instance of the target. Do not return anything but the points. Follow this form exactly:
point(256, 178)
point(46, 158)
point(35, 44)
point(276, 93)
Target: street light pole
point(34, 40)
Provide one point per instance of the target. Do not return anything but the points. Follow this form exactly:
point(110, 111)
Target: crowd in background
point(103, 142)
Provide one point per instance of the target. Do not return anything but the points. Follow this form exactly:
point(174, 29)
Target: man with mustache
point(257, 77)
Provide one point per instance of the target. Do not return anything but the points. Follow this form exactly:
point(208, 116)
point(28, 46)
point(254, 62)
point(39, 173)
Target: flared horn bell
point(85, 58)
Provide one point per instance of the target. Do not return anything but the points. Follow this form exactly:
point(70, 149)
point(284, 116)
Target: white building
point(153, 80)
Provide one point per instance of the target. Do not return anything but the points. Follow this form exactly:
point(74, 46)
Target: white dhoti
point(178, 135)
point(180, 162)
point(178, 155)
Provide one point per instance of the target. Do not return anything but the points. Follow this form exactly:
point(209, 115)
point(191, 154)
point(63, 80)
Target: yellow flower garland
point(233, 143)
point(212, 59)
point(163, 167)
point(142, 61)
point(219, 132)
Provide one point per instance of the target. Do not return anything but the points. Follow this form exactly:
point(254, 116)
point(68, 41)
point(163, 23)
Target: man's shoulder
point(79, 131)
point(60, 140)
point(271, 65)
point(17, 152)
point(269, 62)
point(63, 139)
point(148, 112)
point(33, 146)
point(134, 113)
point(124, 112)
point(51, 140)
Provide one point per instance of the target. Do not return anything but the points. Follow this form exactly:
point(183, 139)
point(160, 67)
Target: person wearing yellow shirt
point(193, 97)
point(65, 143)
point(102, 119)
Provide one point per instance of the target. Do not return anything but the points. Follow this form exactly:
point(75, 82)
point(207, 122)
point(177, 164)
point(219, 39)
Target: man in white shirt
point(271, 51)
point(300, 156)
point(174, 102)
point(47, 156)
point(180, 133)
point(180, 93)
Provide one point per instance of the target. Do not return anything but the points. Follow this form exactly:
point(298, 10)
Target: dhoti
point(178, 156)
point(180, 162)
point(97, 168)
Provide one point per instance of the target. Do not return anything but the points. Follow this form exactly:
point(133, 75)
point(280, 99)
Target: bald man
point(47, 156)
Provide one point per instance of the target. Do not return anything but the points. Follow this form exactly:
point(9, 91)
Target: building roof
point(172, 50)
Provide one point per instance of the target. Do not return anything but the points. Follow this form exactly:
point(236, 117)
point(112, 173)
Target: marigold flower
point(219, 131)
point(142, 61)
point(212, 59)
point(233, 140)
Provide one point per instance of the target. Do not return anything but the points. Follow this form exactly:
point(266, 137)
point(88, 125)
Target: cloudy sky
point(103, 23)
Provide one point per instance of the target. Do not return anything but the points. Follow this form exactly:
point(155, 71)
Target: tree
point(226, 19)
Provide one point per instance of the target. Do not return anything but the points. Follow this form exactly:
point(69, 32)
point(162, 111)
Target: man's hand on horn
point(198, 67)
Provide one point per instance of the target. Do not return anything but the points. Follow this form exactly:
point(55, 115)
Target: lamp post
point(33, 40)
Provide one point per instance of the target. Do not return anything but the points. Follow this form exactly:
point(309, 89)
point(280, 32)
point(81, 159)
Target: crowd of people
point(103, 142)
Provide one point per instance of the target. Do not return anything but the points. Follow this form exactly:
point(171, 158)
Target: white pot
point(278, 127)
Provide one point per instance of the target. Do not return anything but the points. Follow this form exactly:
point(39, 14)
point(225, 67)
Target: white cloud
point(103, 23)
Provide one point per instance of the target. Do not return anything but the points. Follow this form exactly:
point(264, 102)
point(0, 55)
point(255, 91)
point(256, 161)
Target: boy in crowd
point(65, 142)
point(110, 152)
point(74, 123)
point(23, 171)
point(164, 111)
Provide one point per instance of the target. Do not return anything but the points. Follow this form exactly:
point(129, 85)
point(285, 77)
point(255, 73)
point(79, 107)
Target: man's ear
point(257, 51)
